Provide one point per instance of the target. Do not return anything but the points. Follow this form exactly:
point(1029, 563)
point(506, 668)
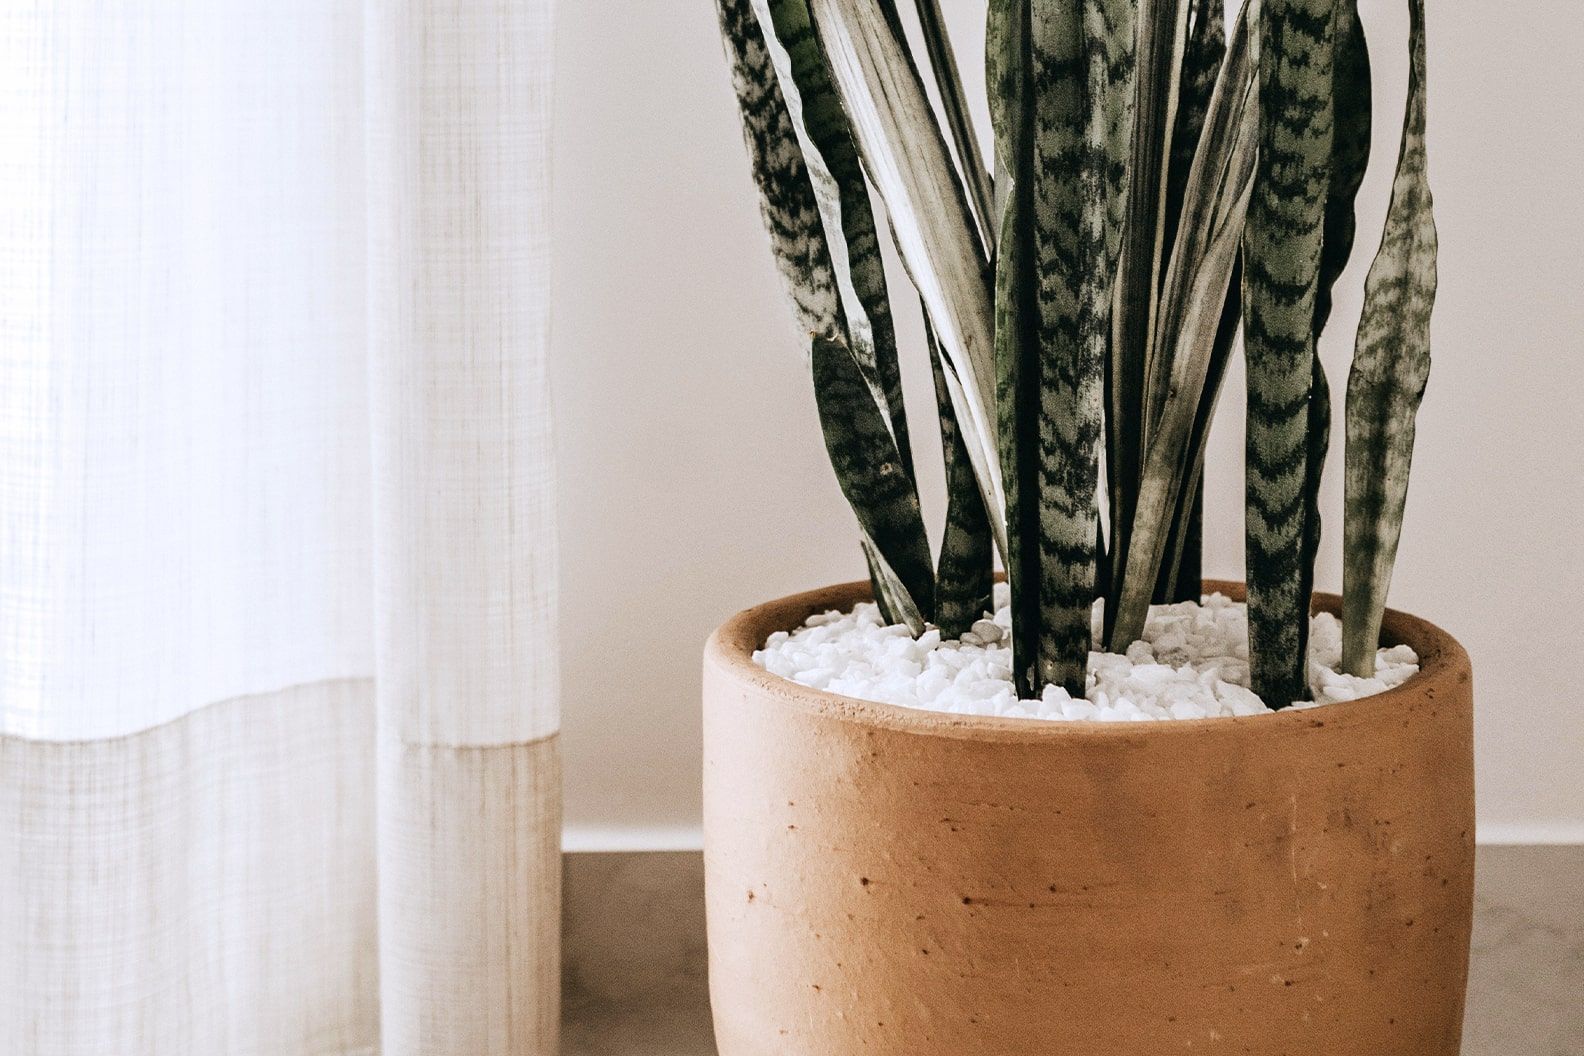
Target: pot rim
point(1442, 660)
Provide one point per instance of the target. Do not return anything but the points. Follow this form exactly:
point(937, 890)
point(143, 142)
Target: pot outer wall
point(896, 882)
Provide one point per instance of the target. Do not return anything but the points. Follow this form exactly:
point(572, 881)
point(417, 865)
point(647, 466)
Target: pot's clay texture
point(895, 882)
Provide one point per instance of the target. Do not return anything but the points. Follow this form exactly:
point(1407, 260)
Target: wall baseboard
point(1530, 833)
point(607, 839)
point(579, 839)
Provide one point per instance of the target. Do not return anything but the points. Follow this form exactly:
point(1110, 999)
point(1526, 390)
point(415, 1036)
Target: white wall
point(694, 483)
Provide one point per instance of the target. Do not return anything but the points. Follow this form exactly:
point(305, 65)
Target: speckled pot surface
point(896, 882)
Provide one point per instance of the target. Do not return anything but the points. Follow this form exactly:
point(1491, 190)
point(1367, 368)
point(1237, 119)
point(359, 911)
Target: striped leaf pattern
point(1008, 76)
point(786, 194)
point(1133, 370)
point(1350, 146)
point(1202, 57)
point(1082, 78)
point(906, 157)
point(1155, 184)
point(1281, 256)
point(872, 477)
point(852, 335)
point(965, 571)
point(840, 185)
point(1391, 364)
point(1190, 328)
point(954, 101)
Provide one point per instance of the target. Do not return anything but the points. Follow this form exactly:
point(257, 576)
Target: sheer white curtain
point(278, 686)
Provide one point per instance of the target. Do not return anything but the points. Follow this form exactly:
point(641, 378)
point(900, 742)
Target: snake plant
point(1160, 180)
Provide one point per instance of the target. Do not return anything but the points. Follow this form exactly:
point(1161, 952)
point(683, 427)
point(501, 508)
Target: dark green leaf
point(909, 163)
point(1083, 88)
point(965, 571)
point(1281, 261)
point(843, 194)
point(871, 475)
point(1188, 347)
point(1350, 147)
point(1350, 150)
point(948, 81)
point(1391, 364)
point(786, 194)
point(1162, 35)
point(1008, 66)
point(797, 219)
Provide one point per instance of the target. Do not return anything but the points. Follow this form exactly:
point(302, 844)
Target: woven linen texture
point(278, 673)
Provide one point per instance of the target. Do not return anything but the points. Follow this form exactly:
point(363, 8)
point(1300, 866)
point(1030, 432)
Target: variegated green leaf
point(843, 195)
point(1132, 406)
point(1197, 280)
point(1202, 57)
point(1008, 80)
point(1203, 53)
point(1391, 364)
point(871, 475)
point(1350, 146)
point(1182, 570)
point(965, 571)
point(786, 194)
point(948, 82)
point(1083, 89)
point(1350, 150)
point(1281, 259)
point(909, 163)
point(797, 219)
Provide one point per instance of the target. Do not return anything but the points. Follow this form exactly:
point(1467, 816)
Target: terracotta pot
point(896, 882)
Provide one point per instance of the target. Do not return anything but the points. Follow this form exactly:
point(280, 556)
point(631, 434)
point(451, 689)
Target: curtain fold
point(278, 678)
point(458, 103)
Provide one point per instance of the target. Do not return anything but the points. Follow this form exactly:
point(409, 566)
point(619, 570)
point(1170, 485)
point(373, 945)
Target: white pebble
point(987, 631)
point(1192, 663)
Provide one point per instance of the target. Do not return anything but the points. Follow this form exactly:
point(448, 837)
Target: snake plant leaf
point(869, 470)
point(891, 597)
point(1008, 80)
point(1083, 89)
point(786, 193)
point(1203, 54)
point(1181, 571)
point(1162, 39)
point(966, 569)
point(796, 219)
point(1200, 273)
point(1281, 257)
point(948, 82)
point(1217, 177)
point(907, 159)
point(1175, 461)
point(1319, 446)
point(1350, 151)
point(1169, 471)
point(843, 195)
point(1350, 147)
point(1391, 364)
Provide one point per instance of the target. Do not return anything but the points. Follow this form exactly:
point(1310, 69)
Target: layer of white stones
point(1192, 663)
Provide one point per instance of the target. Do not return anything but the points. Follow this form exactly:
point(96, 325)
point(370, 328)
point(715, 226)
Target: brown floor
point(635, 955)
